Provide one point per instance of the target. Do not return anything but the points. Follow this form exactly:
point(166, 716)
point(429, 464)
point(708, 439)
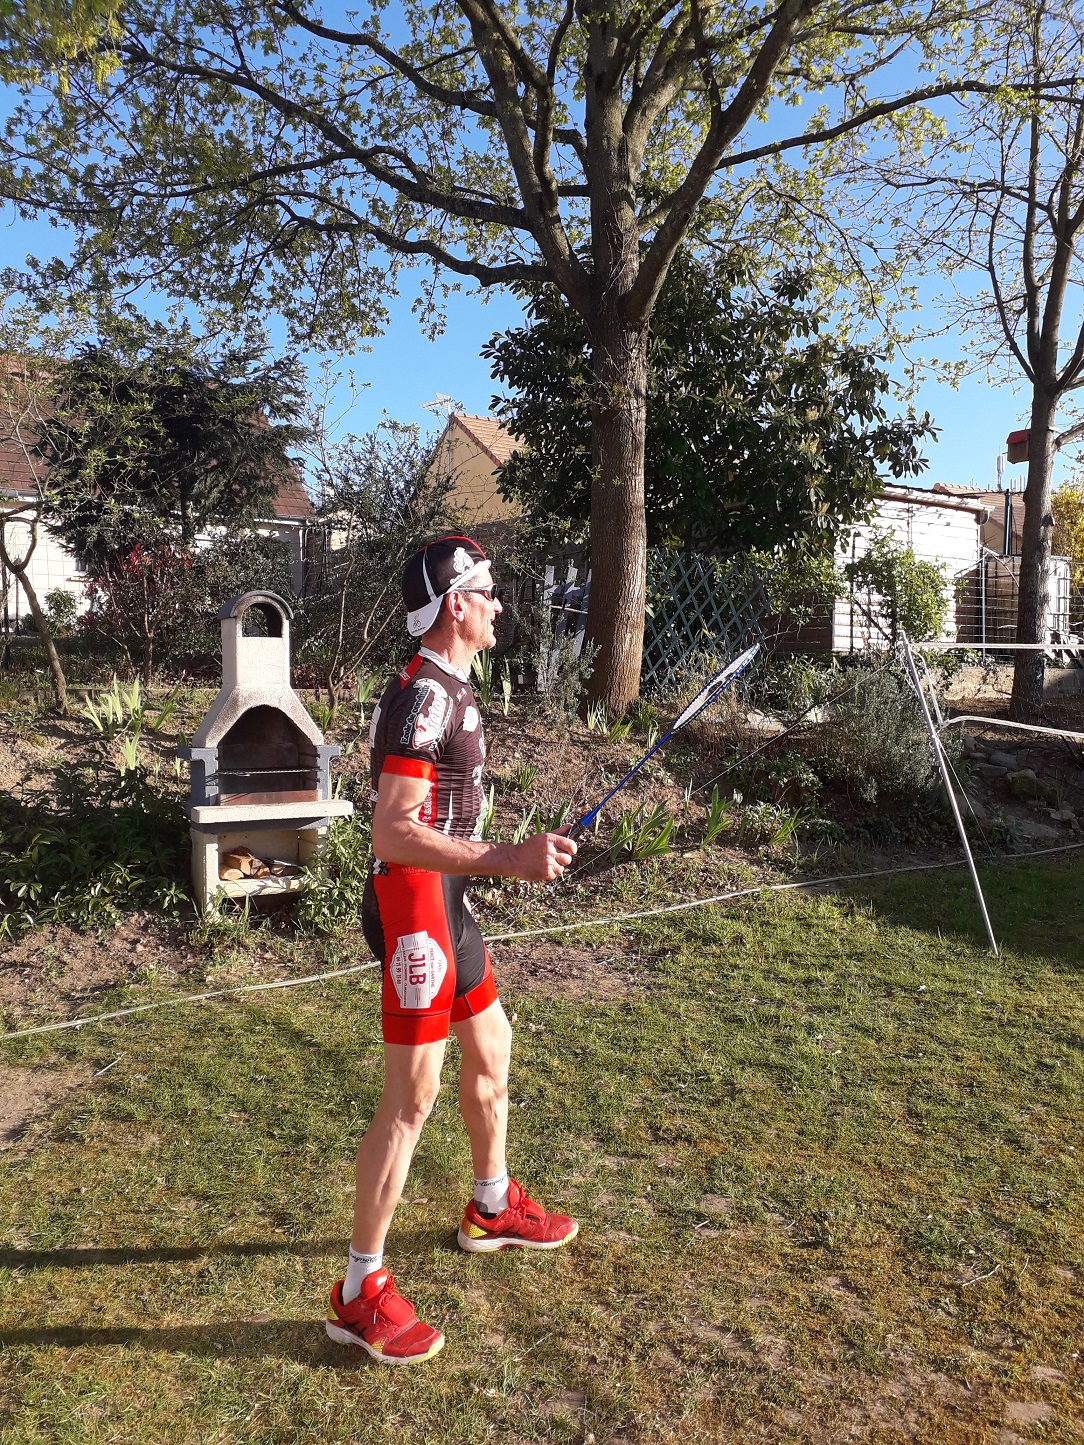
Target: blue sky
point(403, 369)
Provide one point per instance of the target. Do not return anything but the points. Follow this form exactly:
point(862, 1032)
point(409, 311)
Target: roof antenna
point(443, 405)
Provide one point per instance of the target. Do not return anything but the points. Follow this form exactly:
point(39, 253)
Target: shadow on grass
point(301, 1340)
point(409, 1241)
point(90, 1257)
point(1034, 905)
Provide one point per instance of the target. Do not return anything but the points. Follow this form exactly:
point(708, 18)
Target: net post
point(942, 763)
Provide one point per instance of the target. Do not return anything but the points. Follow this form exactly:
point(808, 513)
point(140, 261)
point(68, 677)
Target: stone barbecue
point(260, 769)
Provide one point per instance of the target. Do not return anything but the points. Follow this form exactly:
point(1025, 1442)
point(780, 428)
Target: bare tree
point(997, 204)
point(257, 150)
point(22, 395)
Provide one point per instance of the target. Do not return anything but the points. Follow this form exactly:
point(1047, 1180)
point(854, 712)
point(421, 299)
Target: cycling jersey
point(436, 969)
point(427, 725)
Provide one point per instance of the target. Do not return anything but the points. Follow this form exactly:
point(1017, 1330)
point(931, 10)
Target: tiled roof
point(292, 502)
point(487, 432)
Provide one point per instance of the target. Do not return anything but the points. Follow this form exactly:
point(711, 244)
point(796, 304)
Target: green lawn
point(827, 1154)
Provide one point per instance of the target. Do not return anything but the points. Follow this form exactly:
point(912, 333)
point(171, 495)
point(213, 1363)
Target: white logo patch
point(470, 719)
point(418, 966)
point(429, 726)
point(461, 561)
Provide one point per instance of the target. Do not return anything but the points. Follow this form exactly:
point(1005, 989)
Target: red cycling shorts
point(436, 967)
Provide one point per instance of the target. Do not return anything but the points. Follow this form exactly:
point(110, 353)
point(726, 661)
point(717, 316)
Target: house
point(974, 536)
point(1003, 506)
point(52, 566)
point(470, 452)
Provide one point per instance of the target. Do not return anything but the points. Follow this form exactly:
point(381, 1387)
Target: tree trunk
point(615, 619)
point(19, 571)
point(60, 685)
point(1036, 545)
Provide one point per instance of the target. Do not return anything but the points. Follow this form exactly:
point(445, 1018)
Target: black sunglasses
point(489, 592)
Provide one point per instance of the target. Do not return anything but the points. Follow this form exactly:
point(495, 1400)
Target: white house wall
point(947, 536)
point(51, 567)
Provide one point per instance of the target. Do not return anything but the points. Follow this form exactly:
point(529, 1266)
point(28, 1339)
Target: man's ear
point(453, 605)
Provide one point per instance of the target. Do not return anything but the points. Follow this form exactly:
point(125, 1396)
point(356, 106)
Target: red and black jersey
point(427, 725)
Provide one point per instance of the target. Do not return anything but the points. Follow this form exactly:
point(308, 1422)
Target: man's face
point(479, 613)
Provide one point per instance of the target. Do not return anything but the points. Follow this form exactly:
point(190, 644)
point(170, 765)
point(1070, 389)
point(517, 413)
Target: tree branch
point(872, 112)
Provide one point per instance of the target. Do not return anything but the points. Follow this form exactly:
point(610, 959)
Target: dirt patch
point(56, 970)
point(560, 971)
point(29, 1094)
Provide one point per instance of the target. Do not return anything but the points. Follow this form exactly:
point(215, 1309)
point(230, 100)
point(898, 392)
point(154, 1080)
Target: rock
point(1024, 784)
point(971, 747)
point(970, 806)
point(1065, 815)
point(1004, 760)
point(1038, 832)
point(990, 772)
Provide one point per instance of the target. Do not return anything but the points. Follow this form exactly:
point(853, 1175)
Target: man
point(427, 753)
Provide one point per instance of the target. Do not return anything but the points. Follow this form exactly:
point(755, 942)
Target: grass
point(826, 1153)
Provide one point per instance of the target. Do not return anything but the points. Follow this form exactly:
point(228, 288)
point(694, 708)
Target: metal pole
point(933, 693)
point(942, 762)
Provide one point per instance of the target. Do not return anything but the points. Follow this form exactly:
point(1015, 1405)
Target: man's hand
point(543, 857)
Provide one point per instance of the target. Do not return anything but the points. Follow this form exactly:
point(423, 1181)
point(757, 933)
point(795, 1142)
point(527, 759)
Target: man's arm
point(398, 837)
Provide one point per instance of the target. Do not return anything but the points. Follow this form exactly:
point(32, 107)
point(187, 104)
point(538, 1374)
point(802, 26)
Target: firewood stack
point(243, 863)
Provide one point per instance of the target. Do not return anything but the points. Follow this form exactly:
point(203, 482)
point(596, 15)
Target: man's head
point(448, 589)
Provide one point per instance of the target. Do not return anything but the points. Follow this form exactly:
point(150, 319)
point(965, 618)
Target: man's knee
point(413, 1103)
point(490, 1063)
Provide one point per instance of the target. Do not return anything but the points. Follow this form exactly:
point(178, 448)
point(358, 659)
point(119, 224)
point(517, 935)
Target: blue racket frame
point(704, 698)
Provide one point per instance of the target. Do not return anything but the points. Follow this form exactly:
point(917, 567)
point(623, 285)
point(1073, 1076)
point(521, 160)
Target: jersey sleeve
point(416, 725)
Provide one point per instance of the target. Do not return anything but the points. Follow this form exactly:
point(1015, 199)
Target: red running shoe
point(523, 1222)
point(382, 1322)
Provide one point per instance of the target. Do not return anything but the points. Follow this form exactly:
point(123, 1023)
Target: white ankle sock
point(491, 1195)
point(358, 1267)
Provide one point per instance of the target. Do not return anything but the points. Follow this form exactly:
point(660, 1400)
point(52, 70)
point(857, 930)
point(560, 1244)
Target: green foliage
point(797, 579)
point(644, 715)
point(566, 674)
point(718, 818)
point(761, 429)
point(335, 879)
point(321, 713)
point(618, 730)
point(488, 824)
point(525, 826)
point(105, 839)
point(914, 594)
point(148, 450)
point(121, 710)
point(794, 685)
point(878, 740)
point(555, 819)
point(765, 823)
point(482, 673)
point(525, 775)
point(61, 608)
point(641, 833)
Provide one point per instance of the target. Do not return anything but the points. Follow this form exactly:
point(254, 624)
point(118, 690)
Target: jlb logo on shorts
point(418, 966)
